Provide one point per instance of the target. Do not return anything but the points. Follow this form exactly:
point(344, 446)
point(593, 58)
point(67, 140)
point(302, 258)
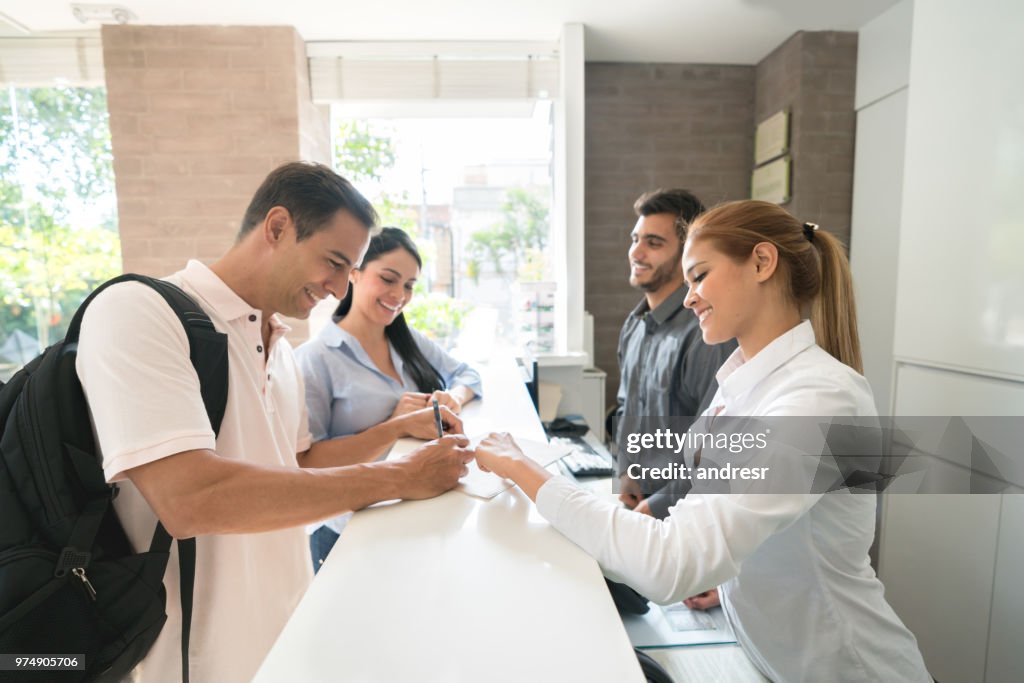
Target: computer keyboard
point(584, 461)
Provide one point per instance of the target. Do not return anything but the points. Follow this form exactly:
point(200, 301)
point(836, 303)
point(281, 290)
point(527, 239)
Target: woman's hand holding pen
point(420, 423)
point(447, 400)
point(410, 402)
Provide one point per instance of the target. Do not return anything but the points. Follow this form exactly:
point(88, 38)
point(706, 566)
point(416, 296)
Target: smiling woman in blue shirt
point(370, 378)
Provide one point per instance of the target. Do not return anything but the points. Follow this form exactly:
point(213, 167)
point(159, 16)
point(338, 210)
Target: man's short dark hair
point(680, 203)
point(312, 193)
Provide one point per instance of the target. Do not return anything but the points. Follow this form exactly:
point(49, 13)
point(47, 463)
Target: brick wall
point(814, 75)
point(665, 125)
point(198, 116)
point(650, 126)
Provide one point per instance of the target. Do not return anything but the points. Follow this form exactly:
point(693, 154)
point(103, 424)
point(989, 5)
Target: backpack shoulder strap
point(208, 351)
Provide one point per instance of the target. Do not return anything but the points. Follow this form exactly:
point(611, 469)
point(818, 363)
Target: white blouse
point(792, 569)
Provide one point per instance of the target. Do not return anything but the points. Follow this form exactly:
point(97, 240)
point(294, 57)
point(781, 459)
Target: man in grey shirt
point(666, 369)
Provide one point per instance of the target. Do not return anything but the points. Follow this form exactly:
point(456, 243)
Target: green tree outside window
point(58, 224)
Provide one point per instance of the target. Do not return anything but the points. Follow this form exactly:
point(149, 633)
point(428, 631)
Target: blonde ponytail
point(833, 310)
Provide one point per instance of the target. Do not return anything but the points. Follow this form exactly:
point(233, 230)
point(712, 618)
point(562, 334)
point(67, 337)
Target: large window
point(476, 194)
point(58, 215)
point(451, 91)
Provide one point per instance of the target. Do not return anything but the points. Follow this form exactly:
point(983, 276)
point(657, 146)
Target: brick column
point(650, 126)
point(814, 75)
point(198, 116)
point(684, 125)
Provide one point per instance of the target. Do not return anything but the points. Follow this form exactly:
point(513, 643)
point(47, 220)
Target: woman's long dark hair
point(426, 377)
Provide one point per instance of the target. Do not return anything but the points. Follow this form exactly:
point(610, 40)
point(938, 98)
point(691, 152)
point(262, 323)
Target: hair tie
point(809, 230)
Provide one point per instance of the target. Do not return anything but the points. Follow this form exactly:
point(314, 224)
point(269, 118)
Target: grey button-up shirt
point(666, 369)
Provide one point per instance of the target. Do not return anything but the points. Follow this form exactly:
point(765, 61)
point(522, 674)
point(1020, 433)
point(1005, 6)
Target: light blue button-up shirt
point(346, 393)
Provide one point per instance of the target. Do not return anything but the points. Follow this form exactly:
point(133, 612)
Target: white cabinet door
point(937, 561)
point(1006, 633)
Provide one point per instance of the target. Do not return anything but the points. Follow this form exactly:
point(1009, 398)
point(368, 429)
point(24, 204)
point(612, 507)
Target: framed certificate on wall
point(770, 182)
point(771, 139)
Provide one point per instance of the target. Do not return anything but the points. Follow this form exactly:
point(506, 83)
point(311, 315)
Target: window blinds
point(28, 62)
point(432, 71)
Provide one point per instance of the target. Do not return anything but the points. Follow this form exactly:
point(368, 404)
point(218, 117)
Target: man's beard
point(659, 277)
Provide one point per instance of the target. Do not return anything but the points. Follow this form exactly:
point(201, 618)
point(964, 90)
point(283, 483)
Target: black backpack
point(70, 583)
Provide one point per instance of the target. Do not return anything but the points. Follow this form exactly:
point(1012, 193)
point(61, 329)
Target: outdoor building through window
point(58, 214)
point(476, 195)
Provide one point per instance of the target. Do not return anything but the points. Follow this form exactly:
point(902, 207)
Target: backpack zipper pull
point(80, 573)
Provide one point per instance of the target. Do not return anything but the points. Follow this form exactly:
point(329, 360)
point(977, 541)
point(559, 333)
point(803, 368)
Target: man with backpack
point(246, 492)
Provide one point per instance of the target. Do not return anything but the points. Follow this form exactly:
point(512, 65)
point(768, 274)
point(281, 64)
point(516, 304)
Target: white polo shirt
point(143, 394)
point(792, 569)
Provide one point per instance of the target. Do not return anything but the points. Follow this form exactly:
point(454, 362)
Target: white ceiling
point(697, 31)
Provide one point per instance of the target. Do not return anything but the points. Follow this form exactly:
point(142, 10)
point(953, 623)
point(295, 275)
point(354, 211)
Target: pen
point(437, 419)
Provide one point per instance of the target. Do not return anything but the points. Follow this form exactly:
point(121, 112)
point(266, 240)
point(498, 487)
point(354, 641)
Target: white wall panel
point(883, 55)
point(1006, 632)
point(960, 294)
point(875, 234)
point(938, 391)
point(937, 559)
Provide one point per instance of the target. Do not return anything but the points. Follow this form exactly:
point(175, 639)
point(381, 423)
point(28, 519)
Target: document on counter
point(673, 625)
point(727, 663)
point(482, 484)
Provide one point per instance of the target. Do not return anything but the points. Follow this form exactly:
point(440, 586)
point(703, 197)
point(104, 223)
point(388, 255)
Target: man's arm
point(198, 492)
point(366, 446)
point(620, 392)
point(370, 444)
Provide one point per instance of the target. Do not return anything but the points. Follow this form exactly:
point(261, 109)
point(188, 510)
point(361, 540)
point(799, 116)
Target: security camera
point(122, 15)
point(103, 14)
